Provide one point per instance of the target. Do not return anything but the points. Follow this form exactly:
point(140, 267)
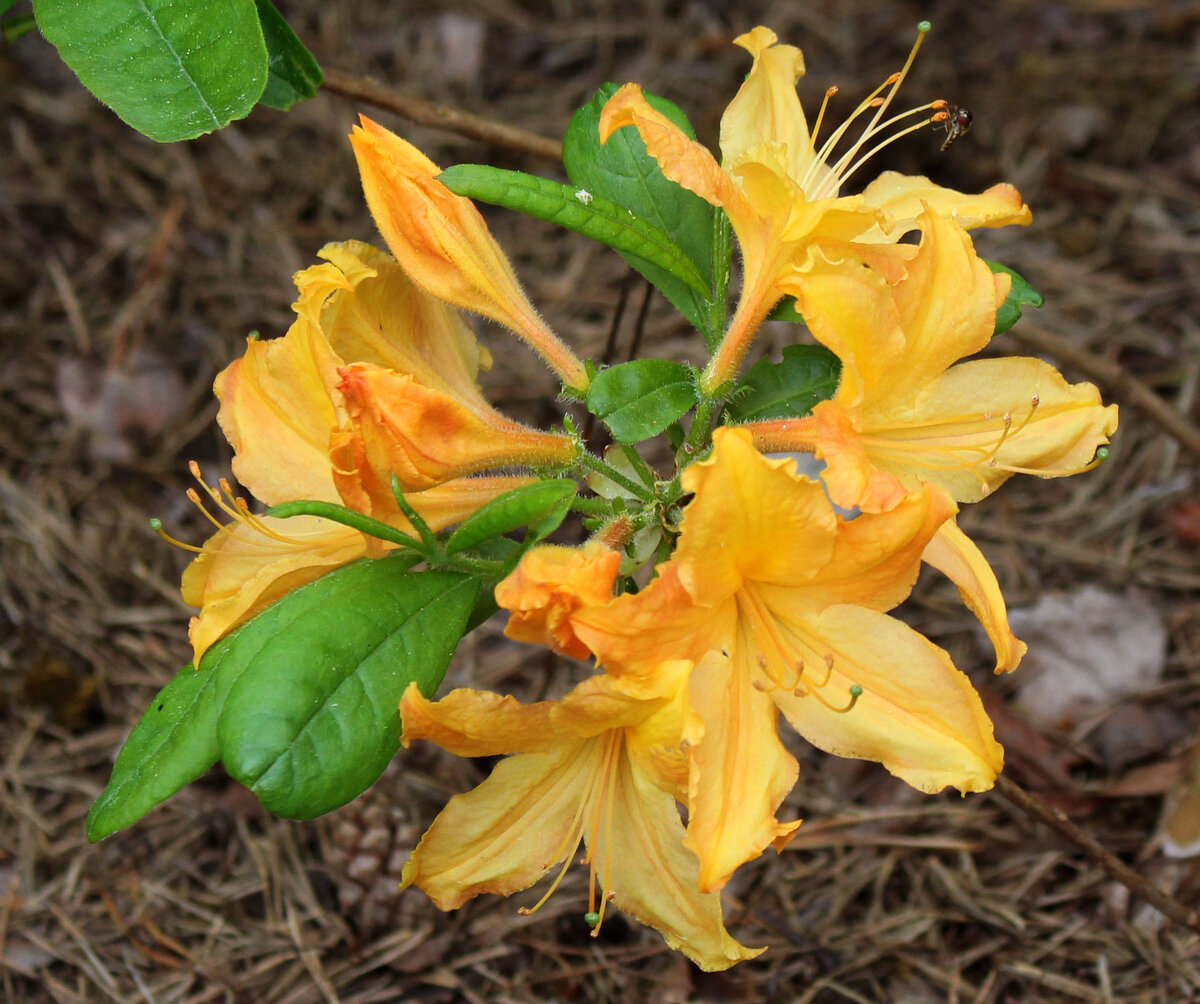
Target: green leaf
point(807, 375)
point(293, 73)
point(623, 172)
point(639, 399)
point(1021, 294)
point(313, 718)
point(172, 69)
point(541, 507)
point(173, 744)
point(785, 310)
point(574, 209)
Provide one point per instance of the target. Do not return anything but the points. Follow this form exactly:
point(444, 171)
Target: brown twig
point(440, 116)
point(1139, 885)
point(1113, 376)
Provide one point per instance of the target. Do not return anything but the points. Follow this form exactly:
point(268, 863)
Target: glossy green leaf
point(173, 743)
point(785, 310)
point(623, 172)
point(639, 399)
point(312, 720)
point(807, 375)
point(171, 69)
point(1020, 294)
point(293, 74)
point(574, 209)
point(541, 507)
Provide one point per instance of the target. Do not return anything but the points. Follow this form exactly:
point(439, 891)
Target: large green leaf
point(623, 172)
point(173, 744)
point(293, 73)
point(172, 69)
point(1020, 294)
point(807, 375)
point(574, 209)
point(638, 399)
point(312, 720)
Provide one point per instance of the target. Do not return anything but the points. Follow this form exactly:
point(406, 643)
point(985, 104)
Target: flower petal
point(242, 571)
point(478, 723)
point(955, 555)
point(903, 197)
point(917, 715)
point(740, 770)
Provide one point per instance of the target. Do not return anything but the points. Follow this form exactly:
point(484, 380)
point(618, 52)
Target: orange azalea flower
point(903, 414)
point(602, 767)
point(788, 614)
point(782, 191)
point(444, 244)
point(303, 427)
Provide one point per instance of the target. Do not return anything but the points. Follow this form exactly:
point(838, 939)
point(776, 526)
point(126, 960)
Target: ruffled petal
point(549, 585)
point(917, 714)
point(955, 555)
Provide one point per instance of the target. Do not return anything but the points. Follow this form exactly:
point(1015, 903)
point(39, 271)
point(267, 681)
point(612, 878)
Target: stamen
point(812, 139)
point(157, 527)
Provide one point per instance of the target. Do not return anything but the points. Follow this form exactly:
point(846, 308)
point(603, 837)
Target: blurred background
point(130, 273)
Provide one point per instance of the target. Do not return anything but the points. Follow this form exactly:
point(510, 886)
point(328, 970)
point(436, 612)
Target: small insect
point(957, 122)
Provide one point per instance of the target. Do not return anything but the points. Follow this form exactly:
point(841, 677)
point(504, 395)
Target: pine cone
point(365, 845)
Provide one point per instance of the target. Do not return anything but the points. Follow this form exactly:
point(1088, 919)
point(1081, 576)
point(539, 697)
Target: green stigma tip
point(856, 691)
point(155, 523)
point(1102, 453)
point(591, 918)
point(924, 26)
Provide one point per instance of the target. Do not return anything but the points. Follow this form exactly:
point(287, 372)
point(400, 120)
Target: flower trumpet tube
point(603, 767)
point(782, 191)
point(443, 243)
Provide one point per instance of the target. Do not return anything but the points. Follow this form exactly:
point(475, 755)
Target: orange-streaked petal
point(443, 243)
point(680, 158)
point(657, 880)
point(955, 555)
point(740, 771)
point(549, 585)
point(850, 475)
point(242, 571)
point(917, 714)
point(478, 723)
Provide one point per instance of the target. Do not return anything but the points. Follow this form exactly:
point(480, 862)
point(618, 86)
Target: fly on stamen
point(956, 121)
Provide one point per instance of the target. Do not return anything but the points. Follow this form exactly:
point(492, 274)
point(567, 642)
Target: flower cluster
point(715, 598)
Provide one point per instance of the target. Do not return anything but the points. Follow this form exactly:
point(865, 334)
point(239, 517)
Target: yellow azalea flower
point(326, 413)
point(444, 244)
point(902, 414)
point(782, 191)
point(549, 585)
point(602, 767)
point(789, 614)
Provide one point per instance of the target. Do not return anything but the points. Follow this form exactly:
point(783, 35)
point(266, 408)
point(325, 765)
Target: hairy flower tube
point(782, 191)
point(444, 244)
point(787, 612)
point(374, 379)
point(604, 768)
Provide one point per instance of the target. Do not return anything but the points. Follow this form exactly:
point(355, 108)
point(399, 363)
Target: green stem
point(638, 463)
point(592, 506)
point(347, 517)
point(700, 432)
point(433, 550)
